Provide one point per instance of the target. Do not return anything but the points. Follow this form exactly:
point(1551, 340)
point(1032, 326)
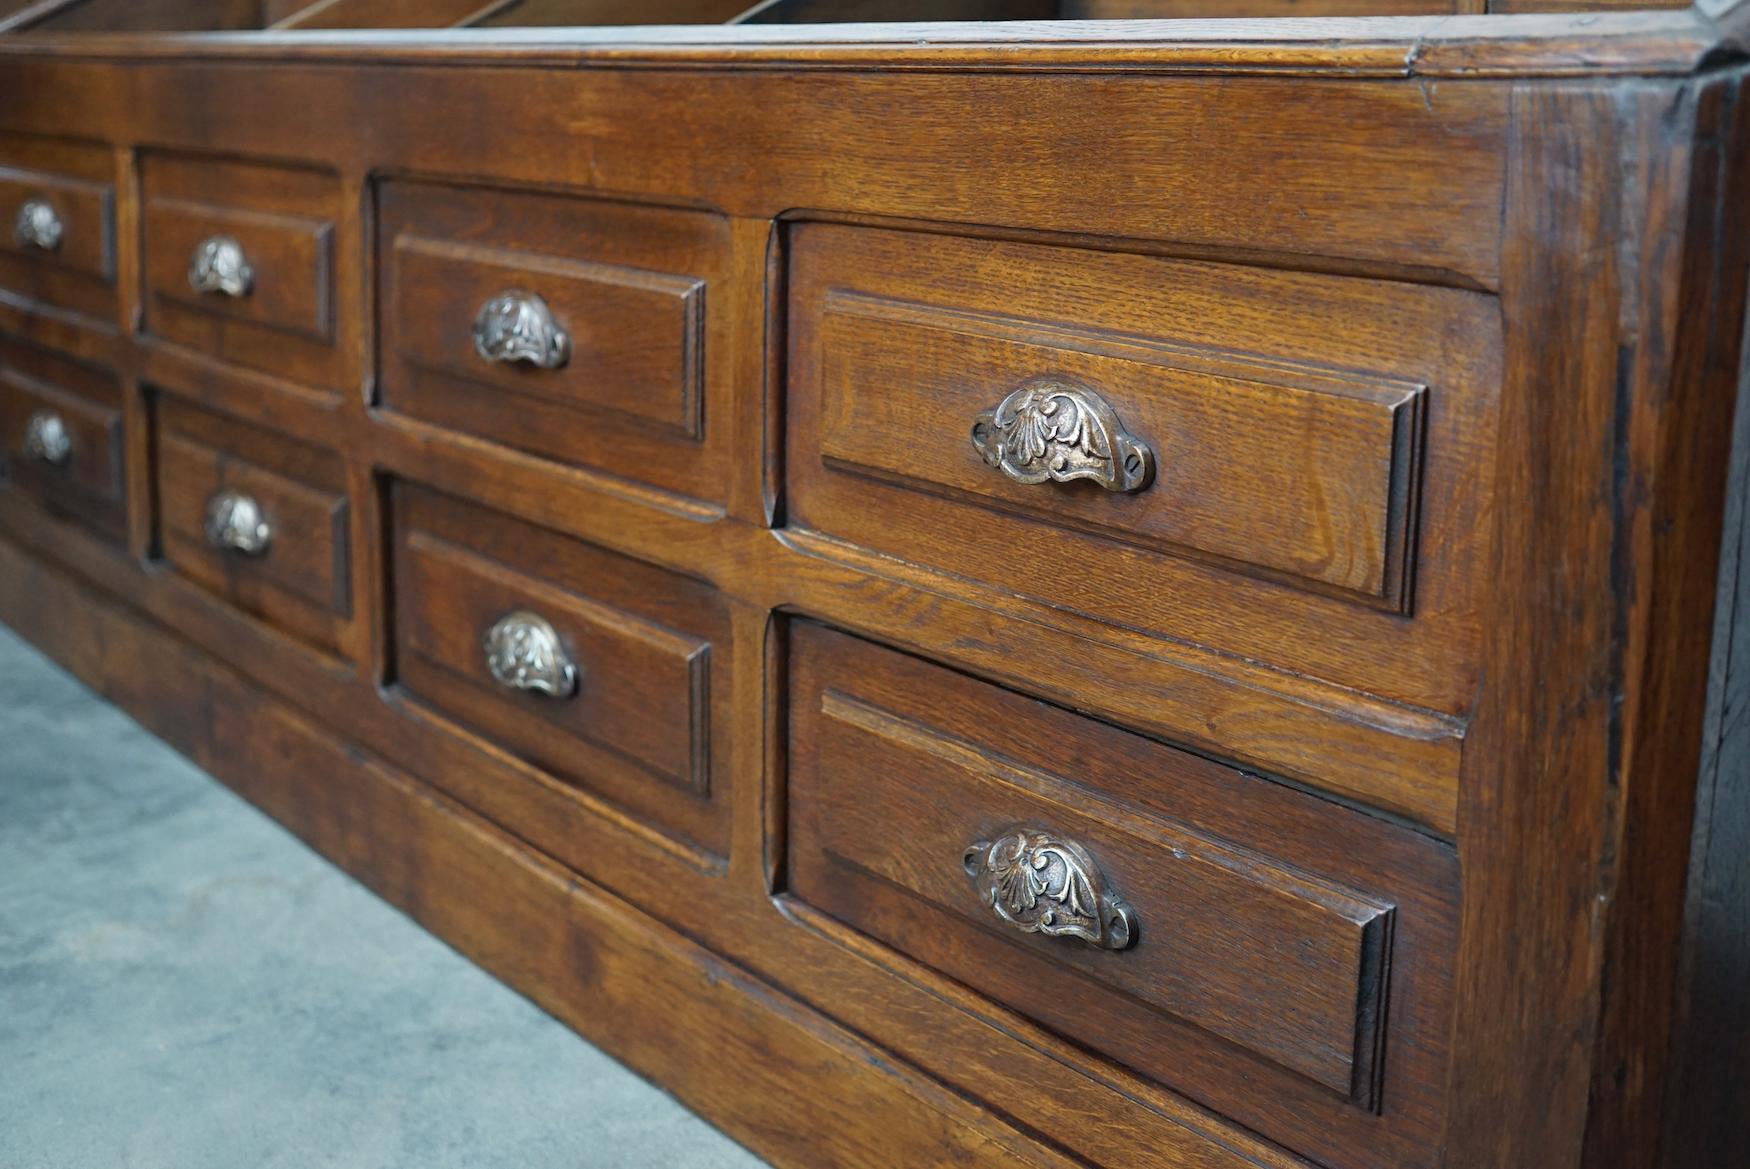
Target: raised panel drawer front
point(1233, 939)
point(572, 329)
point(1234, 456)
point(61, 425)
point(240, 263)
point(256, 517)
point(57, 226)
point(601, 672)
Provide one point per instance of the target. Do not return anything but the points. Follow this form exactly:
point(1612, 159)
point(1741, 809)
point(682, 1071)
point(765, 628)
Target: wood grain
point(1439, 371)
point(644, 294)
point(299, 317)
point(301, 582)
point(640, 731)
point(1238, 944)
point(1339, 514)
point(77, 179)
point(91, 486)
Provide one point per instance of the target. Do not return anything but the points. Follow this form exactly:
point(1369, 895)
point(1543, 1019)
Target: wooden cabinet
point(602, 672)
point(1218, 933)
point(58, 250)
point(62, 428)
point(572, 329)
point(240, 263)
point(259, 519)
point(1132, 594)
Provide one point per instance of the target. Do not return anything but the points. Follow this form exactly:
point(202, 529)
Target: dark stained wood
point(1566, 769)
point(649, 650)
point(1403, 651)
point(1253, 938)
point(879, 452)
point(1691, 301)
point(1539, 764)
point(90, 486)
point(1339, 514)
point(666, 1006)
point(76, 179)
point(1315, 185)
point(292, 319)
point(639, 292)
point(301, 581)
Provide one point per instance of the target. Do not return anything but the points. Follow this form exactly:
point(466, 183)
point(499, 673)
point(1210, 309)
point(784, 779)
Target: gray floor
point(184, 985)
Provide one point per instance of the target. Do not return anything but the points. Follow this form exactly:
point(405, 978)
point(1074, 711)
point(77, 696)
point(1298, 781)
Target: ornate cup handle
point(1049, 428)
point(219, 265)
point(38, 226)
point(523, 652)
point(46, 438)
point(236, 523)
point(518, 326)
point(1042, 883)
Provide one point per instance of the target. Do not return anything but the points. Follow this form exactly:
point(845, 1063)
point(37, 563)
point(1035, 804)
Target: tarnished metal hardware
point(1042, 883)
point(236, 523)
point(38, 226)
point(219, 266)
point(524, 652)
point(518, 326)
point(1052, 429)
point(46, 438)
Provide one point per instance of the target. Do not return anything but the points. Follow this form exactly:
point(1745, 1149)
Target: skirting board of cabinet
point(728, 1046)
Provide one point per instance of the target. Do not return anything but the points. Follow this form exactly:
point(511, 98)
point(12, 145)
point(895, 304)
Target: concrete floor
point(183, 985)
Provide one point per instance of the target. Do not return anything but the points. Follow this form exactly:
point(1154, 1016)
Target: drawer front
point(571, 329)
point(1229, 937)
point(239, 263)
point(1170, 445)
point(62, 428)
point(258, 518)
point(596, 669)
point(57, 237)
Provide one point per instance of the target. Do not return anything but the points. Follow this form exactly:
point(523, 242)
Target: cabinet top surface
point(1642, 43)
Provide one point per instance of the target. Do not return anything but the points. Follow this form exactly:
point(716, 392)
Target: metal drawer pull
point(46, 438)
point(1043, 884)
point(38, 226)
point(518, 326)
point(236, 523)
point(1054, 429)
point(219, 265)
point(524, 653)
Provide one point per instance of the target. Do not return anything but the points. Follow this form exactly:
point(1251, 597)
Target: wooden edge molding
point(1651, 42)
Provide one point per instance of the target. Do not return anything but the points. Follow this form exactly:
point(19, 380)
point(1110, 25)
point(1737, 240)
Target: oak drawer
point(1233, 456)
point(569, 328)
point(61, 423)
point(600, 671)
point(1227, 936)
point(258, 518)
point(240, 263)
point(57, 237)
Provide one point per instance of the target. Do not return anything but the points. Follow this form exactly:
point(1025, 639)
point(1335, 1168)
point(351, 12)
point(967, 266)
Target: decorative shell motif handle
point(46, 438)
point(236, 523)
point(1041, 883)
point(518, 326)
point(38, 226)
point(219, 265)
point(1049, 428)
point(523, 652)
